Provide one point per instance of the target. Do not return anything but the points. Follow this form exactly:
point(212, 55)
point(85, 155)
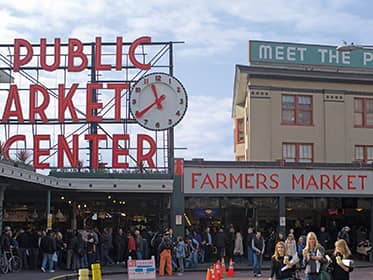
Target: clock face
point(158, 101)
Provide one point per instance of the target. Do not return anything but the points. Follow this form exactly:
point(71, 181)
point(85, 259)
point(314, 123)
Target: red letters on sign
point(263, 182)
point(78, 55)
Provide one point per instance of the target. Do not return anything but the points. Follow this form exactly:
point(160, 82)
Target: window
point(364, 153)
point(363, 112)
point(297, 109)
point(240, 131)
point(297, 152)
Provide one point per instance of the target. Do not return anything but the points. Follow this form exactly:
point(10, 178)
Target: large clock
point(158, 101)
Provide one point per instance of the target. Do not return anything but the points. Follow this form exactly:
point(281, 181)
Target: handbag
point(55, 257)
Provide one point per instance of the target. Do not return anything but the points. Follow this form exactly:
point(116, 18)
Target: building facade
point(302, 112)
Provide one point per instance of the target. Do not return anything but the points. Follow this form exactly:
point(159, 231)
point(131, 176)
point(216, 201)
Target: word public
point(75, 51)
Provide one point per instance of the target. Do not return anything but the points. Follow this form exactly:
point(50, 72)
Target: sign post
point(141, 269)
point(49, 221)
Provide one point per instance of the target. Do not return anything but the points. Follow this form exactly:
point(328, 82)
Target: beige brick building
point(303, 113)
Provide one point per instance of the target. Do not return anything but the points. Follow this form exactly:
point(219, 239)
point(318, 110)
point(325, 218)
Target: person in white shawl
point(313, 257)
point(291, 245)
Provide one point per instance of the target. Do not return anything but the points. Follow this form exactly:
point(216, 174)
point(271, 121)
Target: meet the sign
point(307, 54)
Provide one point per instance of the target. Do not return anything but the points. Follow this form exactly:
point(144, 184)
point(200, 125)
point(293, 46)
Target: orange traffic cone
point(208, 274)
point(230, 269)
point(217, 270)
point(223, 268)
point(212, 273)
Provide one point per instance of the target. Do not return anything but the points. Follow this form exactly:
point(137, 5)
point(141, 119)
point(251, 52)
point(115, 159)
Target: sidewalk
point(120, 269)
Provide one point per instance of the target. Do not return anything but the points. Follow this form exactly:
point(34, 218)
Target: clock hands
point(157, 102)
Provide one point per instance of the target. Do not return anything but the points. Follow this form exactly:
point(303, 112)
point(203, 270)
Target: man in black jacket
point(48, 247)
point(24, 243)
point(258, 246)
point(220, 243)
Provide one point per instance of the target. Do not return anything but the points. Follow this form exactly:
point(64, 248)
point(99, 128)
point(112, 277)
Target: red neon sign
point(37, 106)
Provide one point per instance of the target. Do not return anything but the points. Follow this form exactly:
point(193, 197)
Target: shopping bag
point(55, 257)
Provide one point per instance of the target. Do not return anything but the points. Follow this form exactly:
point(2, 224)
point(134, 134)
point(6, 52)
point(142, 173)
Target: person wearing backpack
point(165, 253)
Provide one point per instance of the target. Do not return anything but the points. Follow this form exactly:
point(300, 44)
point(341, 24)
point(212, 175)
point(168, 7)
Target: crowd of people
point(75, 249)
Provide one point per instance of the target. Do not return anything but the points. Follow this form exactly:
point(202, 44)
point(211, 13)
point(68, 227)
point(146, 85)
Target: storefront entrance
point(240, 212)
point(91, 209)
point(302, 214)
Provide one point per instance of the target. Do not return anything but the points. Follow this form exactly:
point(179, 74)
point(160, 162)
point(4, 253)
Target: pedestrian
point(207, 243)
point(120, 245)
point(258, 246)
point(91, 249)
point(313, 257)
point(165, 253)
point(106, 246)
point(48, 248)
point(24, 240)
point(282, 263)
point(291, 245)
point(81, 250)
point(301, 244)
point(324, 238)
point(131, 246)
point(238, 248)
point(250, 253)
point(139, 245)
point(220, 243)
point(344, 233)
point(61, 260)
point(341, 261)
point(229, 243)
point(180, 254)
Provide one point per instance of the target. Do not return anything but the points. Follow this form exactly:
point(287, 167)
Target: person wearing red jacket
point(131, 246)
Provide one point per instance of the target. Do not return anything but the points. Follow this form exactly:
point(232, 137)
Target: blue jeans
point(49, 258)
point(250, 255)
point(84, 261)
point(191, 261)
point(257, 267)
point(139, 255)
point(105, 256)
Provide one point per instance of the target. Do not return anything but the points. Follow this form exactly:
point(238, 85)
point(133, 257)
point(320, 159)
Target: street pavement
point(361, 273)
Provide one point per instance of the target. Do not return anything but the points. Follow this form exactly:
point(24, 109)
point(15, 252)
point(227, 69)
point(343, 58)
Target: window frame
point(365, 153)
point(297, 151)
point(238, 131)
point(296, 110)
point(363, 113)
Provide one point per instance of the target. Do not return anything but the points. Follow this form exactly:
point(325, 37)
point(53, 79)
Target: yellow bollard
point(96, 271)
point(84, 274)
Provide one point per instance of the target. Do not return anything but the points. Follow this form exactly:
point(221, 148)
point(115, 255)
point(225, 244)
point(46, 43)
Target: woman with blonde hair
point(282, 264)
point(313, 257)
point(341, 261)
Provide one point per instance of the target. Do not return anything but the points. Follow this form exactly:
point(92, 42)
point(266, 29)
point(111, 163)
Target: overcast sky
point(215, 33)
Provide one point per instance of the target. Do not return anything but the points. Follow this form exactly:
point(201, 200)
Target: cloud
point(207, 130)
point(215, 33)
